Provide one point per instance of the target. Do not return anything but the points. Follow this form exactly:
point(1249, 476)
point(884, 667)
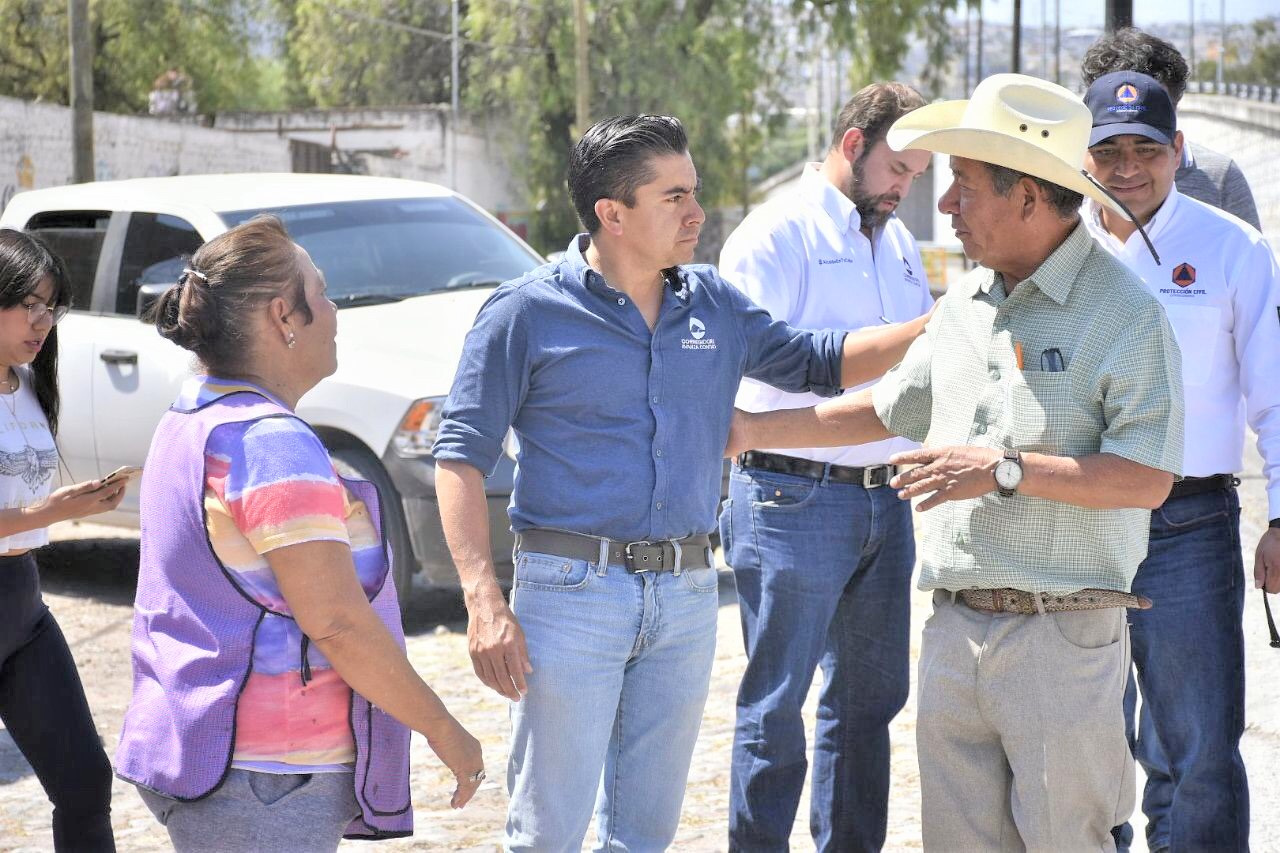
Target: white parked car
point(408, 263)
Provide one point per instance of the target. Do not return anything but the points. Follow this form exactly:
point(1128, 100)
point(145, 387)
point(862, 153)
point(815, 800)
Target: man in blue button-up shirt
point(617, 368)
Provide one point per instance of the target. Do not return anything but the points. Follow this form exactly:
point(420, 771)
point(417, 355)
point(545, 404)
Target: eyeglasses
point(38, 311)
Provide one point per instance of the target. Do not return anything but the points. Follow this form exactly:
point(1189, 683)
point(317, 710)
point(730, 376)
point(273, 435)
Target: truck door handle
point(118, 356)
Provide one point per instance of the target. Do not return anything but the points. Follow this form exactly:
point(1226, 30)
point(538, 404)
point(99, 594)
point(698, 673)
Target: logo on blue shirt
point(698, 339)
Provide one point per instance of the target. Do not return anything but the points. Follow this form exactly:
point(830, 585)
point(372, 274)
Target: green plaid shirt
point(1121, 393)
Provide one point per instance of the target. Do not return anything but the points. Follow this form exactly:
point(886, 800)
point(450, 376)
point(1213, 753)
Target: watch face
point(1008, 474)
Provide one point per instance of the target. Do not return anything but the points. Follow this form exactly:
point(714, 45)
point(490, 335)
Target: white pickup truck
point(408, 263)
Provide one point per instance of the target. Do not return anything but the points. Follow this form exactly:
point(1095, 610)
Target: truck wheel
point(359, 464)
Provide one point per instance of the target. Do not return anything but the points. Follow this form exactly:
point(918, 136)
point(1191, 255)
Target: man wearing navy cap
point(1218, 281)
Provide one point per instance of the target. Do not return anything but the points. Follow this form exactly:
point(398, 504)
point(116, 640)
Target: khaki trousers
point(1020, 729)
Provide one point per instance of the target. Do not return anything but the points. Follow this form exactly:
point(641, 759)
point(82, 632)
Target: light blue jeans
point(621, 665)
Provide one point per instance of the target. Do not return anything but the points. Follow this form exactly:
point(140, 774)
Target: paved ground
point(89, 583)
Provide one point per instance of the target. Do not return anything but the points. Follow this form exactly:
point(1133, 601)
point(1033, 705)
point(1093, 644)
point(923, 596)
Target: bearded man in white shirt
point(1220, 286)
point(821, 551)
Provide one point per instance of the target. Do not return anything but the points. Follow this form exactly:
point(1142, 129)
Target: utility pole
point(81, 73)
point(1119, 15)
point(583, 115)
point(968, 48)
point(1191, 44)
point(455, 49)
point(1015, 64)
point(978, 76)
point(1222, 51)
point(1044, 38)
point(1057, 41)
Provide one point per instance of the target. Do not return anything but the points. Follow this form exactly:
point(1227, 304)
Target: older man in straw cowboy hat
point(1047, 391)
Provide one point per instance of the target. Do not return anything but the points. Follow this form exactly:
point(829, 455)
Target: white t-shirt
point(28, 458)
point(1220, 285)
point(803, 258)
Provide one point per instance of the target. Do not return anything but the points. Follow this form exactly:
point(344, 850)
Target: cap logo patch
point(1127, 93)
point(1184, 275)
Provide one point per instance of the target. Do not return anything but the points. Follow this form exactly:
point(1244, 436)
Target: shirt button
point(658, 453)
point(979, 429)
point(655, 400)
point(960, 539)
point(621, 301)
point(995, 374)
point(658, 505)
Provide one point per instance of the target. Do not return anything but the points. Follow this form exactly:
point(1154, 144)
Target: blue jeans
point(1188, 650)
point(824, 574)
point(621, 666)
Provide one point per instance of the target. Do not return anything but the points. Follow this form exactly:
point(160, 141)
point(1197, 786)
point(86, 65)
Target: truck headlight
point(418, 428)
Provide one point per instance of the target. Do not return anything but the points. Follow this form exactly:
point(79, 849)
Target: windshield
point(390, 249)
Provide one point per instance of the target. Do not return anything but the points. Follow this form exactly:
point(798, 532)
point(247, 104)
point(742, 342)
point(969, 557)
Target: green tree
point(701, 60)
point(134, 42)
point(367, 52)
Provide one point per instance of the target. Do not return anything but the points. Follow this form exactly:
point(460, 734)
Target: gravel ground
point(89, 575)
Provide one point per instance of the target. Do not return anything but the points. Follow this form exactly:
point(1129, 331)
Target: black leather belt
point(664, 555)
point(872, 477)
point(1189, 486)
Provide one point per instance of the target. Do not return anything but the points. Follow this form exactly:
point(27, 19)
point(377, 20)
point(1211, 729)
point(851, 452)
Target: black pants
point(43, 707)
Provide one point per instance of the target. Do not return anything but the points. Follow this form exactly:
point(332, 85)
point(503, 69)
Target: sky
point(1089, 13)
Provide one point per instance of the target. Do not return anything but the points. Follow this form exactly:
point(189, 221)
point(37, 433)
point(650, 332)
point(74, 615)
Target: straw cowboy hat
point(1012, 120)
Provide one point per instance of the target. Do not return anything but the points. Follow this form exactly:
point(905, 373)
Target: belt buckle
point(875, 476)
point(654, 551)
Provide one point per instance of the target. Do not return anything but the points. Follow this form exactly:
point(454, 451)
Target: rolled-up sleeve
point(490, 385)
point(903, 398)
point(1141, 386)
point(785, 357)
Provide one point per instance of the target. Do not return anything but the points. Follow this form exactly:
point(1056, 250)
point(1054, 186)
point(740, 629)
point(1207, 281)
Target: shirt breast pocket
point(1044, 415)
point(1197, 328)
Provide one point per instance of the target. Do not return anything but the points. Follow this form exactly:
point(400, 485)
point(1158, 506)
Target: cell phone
point(123, 474)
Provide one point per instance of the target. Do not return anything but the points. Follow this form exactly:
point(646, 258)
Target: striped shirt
point(270, 484)
point(1120, 393)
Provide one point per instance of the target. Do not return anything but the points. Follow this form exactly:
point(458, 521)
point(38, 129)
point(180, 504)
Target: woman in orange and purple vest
point(272, 699)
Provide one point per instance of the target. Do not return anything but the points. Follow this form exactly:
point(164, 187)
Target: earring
point(291, 341)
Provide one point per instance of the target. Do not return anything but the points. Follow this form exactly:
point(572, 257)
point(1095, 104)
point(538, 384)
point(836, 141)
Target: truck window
point(76, 236)
point(156, 247)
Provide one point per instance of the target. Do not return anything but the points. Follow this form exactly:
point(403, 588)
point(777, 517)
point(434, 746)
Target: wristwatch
point(1008, 473)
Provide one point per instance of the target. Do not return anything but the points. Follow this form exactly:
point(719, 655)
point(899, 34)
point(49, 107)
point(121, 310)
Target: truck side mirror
point(147, 296)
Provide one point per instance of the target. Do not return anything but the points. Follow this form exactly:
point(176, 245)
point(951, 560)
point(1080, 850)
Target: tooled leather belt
point(1023, 602)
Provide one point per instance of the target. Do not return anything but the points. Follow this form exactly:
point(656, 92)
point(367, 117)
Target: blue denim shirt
point(621, 431)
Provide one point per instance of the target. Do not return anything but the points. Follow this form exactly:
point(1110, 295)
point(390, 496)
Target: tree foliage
point(367, 52)
point(700, 60)
point(134, 41)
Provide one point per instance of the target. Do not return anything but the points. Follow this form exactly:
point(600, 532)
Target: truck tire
point(359, 464)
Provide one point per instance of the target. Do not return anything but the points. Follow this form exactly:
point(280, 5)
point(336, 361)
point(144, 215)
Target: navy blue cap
point(1127, 102)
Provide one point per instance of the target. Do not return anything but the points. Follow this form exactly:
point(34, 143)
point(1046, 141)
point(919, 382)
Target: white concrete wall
point(35, 148)
point(420, 136)
point(1247, 131)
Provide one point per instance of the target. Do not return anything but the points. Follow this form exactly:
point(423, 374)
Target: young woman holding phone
point(42, 702)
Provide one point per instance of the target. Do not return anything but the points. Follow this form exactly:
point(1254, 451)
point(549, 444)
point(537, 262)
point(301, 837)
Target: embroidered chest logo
point(697, 336)
point(1184, 276)
point(908, 274)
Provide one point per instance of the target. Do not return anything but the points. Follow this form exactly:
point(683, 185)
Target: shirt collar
point(1157, 224)
point(575, 263)
point(1188, 159)
point(200, 390)
point(1055, 276)
point(843, 212)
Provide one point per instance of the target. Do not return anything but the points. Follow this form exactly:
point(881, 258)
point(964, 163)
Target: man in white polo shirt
point(821, 551)
point(1219, 284)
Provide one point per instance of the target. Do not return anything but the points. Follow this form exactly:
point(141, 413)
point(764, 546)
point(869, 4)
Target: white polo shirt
point(1220, 285)
point(802, 258)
